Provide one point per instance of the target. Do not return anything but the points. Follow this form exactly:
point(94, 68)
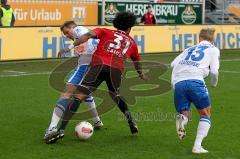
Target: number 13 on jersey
point(196, 53)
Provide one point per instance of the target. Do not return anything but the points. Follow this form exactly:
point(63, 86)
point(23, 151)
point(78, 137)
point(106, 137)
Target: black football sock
point(122, 105)
point(69, 112)
point(129, 117)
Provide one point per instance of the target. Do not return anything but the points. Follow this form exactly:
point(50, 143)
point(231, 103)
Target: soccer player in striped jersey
point(189, 70)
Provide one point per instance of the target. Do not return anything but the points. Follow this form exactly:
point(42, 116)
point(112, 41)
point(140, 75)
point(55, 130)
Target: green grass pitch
point(26, 104)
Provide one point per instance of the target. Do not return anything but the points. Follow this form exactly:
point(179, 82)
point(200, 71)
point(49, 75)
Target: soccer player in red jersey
point(107, 64)
point(108, 61)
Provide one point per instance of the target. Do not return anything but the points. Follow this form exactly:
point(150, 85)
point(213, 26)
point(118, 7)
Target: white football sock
point(56, 116)
point(202, 131)
point(185, 119)
point(92, 107)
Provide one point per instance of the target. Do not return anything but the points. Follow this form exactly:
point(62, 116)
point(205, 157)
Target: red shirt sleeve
point(99, 32)
point(143, 19)
point(154, 19)
point(134, 53)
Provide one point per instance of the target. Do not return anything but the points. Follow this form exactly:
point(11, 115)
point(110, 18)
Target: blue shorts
point(77, 75)
point(191, 91)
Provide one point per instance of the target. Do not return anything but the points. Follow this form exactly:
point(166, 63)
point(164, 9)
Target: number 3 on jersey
point(196, 53)
point(120, 44)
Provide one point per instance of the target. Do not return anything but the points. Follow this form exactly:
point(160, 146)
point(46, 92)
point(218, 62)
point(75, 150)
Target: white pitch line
point(33, 61)
point(226, 71)
point(12, 71)
point(27, 74)
point(229, 60)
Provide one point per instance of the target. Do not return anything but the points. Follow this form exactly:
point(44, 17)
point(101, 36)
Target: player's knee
point(117, 98)
point(82, 92)
point(205, 112)
point(70, 89)
point(80, 97)
point(66, 95)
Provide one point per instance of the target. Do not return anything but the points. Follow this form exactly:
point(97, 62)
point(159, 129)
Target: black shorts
point(96, 75)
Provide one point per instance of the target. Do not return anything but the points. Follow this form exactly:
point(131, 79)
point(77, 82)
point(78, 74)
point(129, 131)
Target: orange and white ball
point(84, 130)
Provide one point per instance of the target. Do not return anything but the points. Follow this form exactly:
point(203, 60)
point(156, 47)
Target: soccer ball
point(84, 130)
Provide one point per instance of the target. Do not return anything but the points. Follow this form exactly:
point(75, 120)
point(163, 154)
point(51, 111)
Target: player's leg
point(201, 99)
point(72, 109)
point(113, 82)
point(182, 105)
point(66, 106)
point(66, 96)
point(68, 113)
point(122, 105)
point(61, 107)
point(202, 130)
point(76, 80)
point(92, 108)
point(89, 99)
point(89, 83)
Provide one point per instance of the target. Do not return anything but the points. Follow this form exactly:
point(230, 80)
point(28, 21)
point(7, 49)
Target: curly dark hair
point(124, 20)
point(67, 24)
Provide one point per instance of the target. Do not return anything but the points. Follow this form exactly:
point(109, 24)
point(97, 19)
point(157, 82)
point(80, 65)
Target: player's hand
point(80, 49)
point(143, 77)
point(61, 52)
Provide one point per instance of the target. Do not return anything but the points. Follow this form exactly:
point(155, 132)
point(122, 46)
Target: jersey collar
point(122, 32)
point(205, 42)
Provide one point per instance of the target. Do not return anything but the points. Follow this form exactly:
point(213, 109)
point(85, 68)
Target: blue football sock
point(69, 112)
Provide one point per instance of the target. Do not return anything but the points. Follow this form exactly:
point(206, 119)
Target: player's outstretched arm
point(135, 57)
point(84, 38)
point(214, 67)
point(214, 79)
point(61, 52)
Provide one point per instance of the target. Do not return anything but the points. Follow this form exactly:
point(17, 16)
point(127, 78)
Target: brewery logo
point(110, 13)
point(189, 16)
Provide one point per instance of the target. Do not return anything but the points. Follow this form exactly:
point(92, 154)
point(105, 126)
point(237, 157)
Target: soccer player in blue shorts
point(189, 70)
point(72, 31)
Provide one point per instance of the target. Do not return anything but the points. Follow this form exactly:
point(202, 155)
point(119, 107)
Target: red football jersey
point(149, 18)
point(113, 48)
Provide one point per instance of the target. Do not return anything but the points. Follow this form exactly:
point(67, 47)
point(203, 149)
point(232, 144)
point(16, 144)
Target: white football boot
point(52, 135)
point(50, 131)
point(199, 150)
point(180, 126)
